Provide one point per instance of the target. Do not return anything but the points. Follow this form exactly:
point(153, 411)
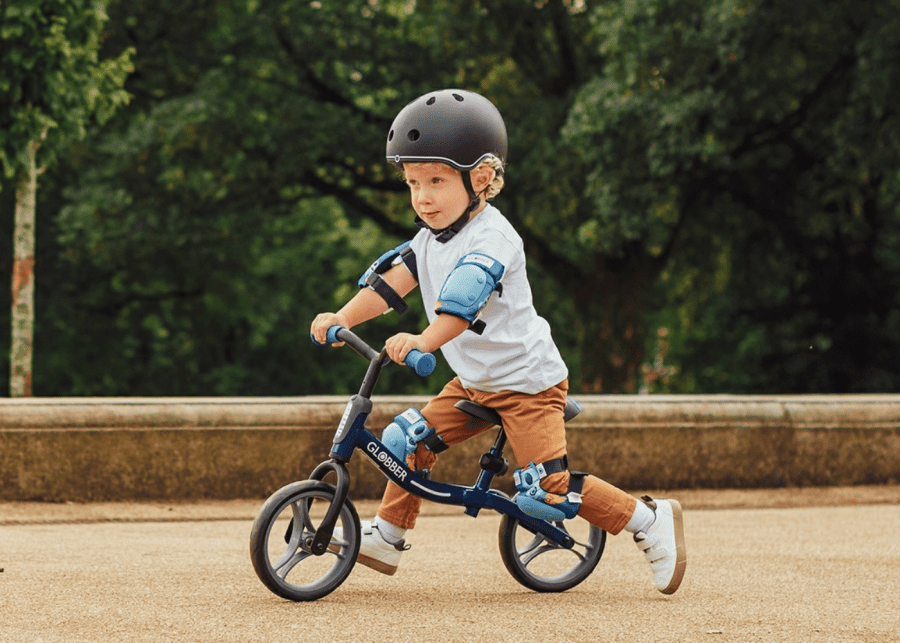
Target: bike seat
point(487, 414)
point(572, 409)
point(479, 411)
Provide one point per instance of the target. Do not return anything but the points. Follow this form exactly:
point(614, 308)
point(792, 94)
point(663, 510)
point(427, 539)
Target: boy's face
point(438, 194)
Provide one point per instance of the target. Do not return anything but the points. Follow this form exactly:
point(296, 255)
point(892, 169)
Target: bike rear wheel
point(543, 566)
point(282, 536)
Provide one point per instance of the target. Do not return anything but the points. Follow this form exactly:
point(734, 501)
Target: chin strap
point(444, 235)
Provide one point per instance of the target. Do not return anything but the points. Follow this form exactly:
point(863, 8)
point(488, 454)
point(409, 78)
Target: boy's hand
point(323, 322)
point(400, 344)
point(439, 332)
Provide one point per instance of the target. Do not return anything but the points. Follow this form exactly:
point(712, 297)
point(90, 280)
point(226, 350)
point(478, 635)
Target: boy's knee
point(421, 458)
point(408, 432)
point(539, 493)
point(556, 483)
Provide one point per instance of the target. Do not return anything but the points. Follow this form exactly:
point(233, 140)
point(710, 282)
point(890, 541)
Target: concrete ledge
point(90, 449)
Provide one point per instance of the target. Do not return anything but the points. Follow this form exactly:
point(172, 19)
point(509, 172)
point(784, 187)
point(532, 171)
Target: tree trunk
point(23, 280)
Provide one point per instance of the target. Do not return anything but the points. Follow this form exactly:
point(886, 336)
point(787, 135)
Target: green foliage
point(204, 284)
point(201, 258)
point(51, 77)
point(758, 144)
point(724, 169)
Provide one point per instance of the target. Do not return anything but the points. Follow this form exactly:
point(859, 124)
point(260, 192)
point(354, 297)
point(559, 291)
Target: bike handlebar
point(422, 363)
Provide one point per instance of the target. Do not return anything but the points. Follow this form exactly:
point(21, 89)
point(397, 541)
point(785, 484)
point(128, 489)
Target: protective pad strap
point(576, 482)
point(435, 444)
point(391, 297)
point(373, 279)
point(548, 468)
point(557, 465)
point(408, 257)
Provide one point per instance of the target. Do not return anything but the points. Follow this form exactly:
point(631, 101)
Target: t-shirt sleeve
point(497, 246)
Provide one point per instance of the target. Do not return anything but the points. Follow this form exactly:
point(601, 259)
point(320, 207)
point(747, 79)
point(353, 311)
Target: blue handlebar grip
point(330, 336)
point(422, 363)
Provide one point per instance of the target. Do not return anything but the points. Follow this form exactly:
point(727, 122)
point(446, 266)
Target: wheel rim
point(289, 566)
point(542, 565)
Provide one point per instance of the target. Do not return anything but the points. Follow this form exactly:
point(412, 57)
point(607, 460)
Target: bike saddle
point(487, 414)
point(479, 411)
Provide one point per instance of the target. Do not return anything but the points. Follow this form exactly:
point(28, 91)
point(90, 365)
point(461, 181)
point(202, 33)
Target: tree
point(203, 229)
point(695, 166)
point(743, 159)
point(55, 84)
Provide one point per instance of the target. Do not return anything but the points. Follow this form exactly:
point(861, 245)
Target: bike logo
point(382, 456)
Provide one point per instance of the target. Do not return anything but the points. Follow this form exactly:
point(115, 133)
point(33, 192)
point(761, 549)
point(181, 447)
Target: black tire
point(282, 534)
point(542, 565)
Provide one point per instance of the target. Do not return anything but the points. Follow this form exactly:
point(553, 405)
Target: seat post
point(499, 443)
point(492, 463)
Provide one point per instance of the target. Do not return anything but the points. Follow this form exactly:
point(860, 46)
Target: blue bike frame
point(352, 434)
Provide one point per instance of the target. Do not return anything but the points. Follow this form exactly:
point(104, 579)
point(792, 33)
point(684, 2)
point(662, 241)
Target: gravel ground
point(797, 565)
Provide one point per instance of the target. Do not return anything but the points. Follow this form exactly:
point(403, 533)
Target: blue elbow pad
point(390, 258)
point(469, 286)
point(372, 277)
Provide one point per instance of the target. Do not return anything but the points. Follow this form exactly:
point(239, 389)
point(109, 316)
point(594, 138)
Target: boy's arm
point(365, 305)
point(439, 332)
point(368, 304)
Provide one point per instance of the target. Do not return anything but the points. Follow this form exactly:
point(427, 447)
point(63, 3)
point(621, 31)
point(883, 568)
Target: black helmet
point(451, 126)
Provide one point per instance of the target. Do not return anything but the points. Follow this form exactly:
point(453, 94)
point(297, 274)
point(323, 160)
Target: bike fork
point(326, 528)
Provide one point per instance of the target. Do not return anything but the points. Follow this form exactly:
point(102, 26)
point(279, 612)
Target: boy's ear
point(481, 177)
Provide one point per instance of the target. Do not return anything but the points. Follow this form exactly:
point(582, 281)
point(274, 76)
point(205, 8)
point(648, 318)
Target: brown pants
point(536, 432)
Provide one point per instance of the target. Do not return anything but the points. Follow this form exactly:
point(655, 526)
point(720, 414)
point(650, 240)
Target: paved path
point(818, 566)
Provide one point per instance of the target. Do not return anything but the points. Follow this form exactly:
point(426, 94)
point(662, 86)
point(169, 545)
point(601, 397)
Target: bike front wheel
point(282, 537)
point(543, 566)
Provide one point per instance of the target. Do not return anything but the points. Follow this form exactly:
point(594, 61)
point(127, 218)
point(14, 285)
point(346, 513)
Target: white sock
point(641, 519)
point(391, 533)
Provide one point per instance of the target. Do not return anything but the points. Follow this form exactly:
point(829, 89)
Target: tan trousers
point(536, 432)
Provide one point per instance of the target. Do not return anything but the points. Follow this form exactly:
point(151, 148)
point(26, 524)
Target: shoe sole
point(372, 563)
point(680, 550)
point(377, 565)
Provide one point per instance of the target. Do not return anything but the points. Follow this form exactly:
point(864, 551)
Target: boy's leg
point(400, 507)
point(537, 433)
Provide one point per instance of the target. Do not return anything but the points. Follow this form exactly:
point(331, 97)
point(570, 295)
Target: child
point(470, 266)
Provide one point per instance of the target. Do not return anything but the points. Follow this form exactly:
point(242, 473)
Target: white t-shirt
point(516, 351)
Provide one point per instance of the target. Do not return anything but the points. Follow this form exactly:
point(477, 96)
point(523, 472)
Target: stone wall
point(90, 449)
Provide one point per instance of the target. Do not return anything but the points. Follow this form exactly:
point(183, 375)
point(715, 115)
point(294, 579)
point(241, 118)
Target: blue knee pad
point(536, 502)
point(402, 436)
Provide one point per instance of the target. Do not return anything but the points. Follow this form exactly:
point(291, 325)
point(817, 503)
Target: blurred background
point(708, 190)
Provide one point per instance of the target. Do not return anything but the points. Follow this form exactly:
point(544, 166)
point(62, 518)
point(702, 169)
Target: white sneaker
point(374, 550)
point(663, 544)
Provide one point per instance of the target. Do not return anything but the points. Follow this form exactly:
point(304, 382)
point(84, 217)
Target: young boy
point(469, 263)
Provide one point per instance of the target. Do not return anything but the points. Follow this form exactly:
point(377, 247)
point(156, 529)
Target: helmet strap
point(444, 235)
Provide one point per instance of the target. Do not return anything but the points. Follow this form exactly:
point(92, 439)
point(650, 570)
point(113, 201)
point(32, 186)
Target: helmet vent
point(413, 135)
point(391, 136)
point(458, 97)
point(431, 101)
